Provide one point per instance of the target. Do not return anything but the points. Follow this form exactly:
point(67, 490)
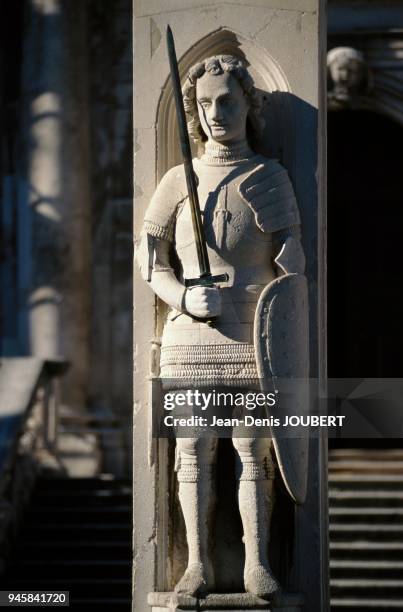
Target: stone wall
point(285, 47)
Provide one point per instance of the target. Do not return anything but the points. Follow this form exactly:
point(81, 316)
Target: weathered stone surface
point(250, 223)
point(350, 80)
point(282, 49)
point(224, 601)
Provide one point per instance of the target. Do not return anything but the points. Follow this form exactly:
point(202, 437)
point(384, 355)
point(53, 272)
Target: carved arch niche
point(277, 141)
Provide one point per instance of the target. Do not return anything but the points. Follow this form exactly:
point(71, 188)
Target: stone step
point(76, 515)
point(100, 531)
point(106, 482)
point(376, 498)
point(367, 587)
point(364, 545)
point(102, 498)
point(354, 514)
point(336, 494)
point(363, 605)
point(365, 453)
point(366, 529)
point(375, 467)
point(335, 477)
point(77, 537)
point(78, 587)
point(366, 564)
point(366, 511)
point(367, 583)
point(364, 550)
point(65, 551)
point(375, 531)
point(73, 568)
point(67, 542)
point(365, 569)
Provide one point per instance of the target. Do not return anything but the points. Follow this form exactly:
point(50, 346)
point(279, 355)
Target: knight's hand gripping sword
point(206, 278)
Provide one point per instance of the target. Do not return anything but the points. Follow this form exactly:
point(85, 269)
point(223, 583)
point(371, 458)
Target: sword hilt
point(207, 280)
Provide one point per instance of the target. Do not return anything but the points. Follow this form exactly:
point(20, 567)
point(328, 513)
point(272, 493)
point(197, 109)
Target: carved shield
point(281, 336)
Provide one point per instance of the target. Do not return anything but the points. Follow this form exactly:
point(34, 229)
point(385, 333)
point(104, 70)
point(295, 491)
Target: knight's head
point(220, 97)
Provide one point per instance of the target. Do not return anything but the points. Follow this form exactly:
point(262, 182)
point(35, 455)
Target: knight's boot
point(255, 495)
point(197, 500)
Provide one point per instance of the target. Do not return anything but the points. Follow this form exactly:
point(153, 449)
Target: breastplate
point(235, 244)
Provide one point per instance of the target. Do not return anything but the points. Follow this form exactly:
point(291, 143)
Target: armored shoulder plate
point(268, 191)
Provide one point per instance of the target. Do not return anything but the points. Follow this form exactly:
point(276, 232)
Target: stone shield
point(281, 338)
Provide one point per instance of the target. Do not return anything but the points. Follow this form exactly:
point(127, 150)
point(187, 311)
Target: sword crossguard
point(206, 281)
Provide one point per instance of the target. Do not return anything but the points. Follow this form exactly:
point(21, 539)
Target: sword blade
point(197, 223)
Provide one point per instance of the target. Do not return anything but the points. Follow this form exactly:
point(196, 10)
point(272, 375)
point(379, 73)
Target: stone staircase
point(366, 529)
point(77, 538)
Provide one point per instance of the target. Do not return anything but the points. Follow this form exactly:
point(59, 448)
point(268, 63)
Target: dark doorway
point(365, 245)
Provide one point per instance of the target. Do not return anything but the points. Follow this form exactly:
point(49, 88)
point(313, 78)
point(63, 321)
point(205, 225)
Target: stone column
point(55, 186)
point(284, 43)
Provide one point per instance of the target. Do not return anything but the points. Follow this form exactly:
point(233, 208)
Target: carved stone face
point(222, 107)
point(347, 73)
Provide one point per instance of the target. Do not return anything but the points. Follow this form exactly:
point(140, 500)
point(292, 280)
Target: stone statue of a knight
point(252, 228)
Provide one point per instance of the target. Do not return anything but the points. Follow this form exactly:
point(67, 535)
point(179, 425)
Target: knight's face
point(222, 107)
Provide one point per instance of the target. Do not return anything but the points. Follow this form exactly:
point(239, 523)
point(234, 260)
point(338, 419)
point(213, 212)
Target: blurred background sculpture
point(348, 74)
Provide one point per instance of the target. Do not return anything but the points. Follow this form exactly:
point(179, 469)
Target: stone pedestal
point(234, 602)
point(284, 44)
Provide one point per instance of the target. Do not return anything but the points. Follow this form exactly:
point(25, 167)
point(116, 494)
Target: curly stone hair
point(219, 64)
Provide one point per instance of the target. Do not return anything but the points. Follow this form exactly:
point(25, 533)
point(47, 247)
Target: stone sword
point(205, 278)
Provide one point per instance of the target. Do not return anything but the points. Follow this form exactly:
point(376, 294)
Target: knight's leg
point(255, 496)
point(196, 457)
